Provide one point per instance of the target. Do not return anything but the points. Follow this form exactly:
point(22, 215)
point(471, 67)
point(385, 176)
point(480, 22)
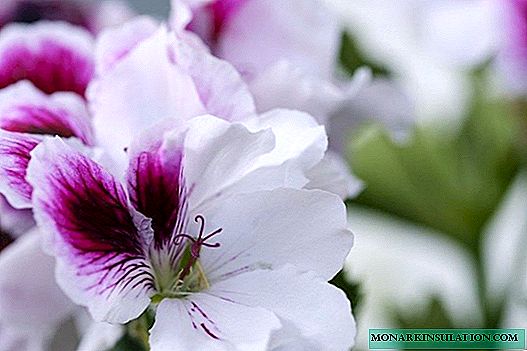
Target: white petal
point(144, 88)
point(100, 336)
point(261, 33)
point(30, 299)
point(299, 138)
point(402, 265)
point(20, 340)
point(269, 229)
point(285, 85)
point(311, 310)
point(396, 112)
point(115, 43)
point(218, 154)
point(332, 174)
point(206, 322)
point(504, 244)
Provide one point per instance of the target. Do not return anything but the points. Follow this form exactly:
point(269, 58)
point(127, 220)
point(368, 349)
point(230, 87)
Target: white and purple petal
point(15, 149)
point(100, 242)
point(155, 181)
point(25, 109)
point(54, 56)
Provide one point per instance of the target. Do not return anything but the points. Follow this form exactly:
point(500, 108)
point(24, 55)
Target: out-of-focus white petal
point(403, 265)
point(381, 101)
point(262, 33)
point(31, 302)
point(113, 44)
point(100, 336)
point(505, 244)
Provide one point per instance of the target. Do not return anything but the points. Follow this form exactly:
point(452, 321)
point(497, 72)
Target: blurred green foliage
point(452, 183)
point(128, 343)
point(351, 57)
point(432, 316)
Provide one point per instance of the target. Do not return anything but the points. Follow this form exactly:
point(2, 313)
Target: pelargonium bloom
point(200, 232)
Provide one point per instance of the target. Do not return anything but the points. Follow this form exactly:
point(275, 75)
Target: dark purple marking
point(41, 120)
point(50, 65)
point(17, 152)
point(156, 190)
point(203, 325)
point(90, 211)
point(209, 333)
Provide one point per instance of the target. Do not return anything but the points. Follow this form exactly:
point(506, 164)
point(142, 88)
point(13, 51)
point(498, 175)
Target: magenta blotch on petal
point(156, 190)
point(90, 213)
point(53, 56)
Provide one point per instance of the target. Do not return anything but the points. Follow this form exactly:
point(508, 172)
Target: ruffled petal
point(300, 141)
point(221, 89)
point(54, 56)
point(332, 174)
point(99, 241)
point(114, 43)
point(217, 155)
point(312, 312)
point(206, 322)
point(15, 151)
point(268, 229)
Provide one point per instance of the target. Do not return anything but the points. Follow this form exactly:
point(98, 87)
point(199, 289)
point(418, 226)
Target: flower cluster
point(172, 180)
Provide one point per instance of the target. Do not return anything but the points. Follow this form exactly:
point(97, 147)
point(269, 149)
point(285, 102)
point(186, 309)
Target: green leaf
point(351, 57)
point(351, 288)
point(432, 316)
point(128, 343)
point(452, 183)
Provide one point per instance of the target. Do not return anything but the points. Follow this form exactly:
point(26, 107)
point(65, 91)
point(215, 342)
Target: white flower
point(203, 234)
